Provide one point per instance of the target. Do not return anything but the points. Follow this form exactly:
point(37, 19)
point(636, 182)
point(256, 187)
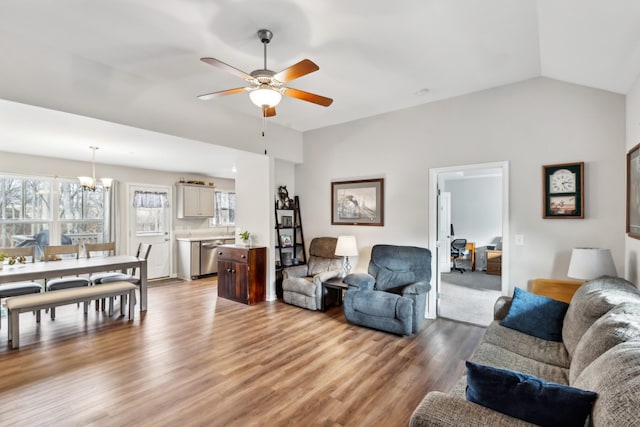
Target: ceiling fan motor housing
point(265, 36)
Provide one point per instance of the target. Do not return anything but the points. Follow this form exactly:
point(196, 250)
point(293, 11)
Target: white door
point(150, 222)
point(444, 236)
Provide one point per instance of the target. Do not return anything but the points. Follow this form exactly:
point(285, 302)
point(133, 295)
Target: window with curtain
point(225, 208)
point(151, 209)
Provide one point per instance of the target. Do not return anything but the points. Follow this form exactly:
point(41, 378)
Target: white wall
point(632, 246)
point(529, 124)
point(476, 208)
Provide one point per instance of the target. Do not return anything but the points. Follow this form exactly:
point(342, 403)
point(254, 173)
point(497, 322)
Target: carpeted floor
point(467, 305)
point(473, 280)
point(469, 297)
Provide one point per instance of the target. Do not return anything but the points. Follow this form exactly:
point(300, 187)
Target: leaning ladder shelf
point(289, 239)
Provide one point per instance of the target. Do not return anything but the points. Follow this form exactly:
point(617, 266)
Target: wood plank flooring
point(196, 360)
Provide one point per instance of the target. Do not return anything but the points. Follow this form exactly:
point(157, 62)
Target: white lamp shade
point(87, 182)
point(264, 97)
point(346, 246)
point(106, 182)
point(589, 263)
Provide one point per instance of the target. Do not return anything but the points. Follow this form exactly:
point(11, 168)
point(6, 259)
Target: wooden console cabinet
point(242, 273)
point(494, 262)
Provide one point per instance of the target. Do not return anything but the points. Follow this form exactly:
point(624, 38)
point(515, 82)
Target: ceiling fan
point(267, 87)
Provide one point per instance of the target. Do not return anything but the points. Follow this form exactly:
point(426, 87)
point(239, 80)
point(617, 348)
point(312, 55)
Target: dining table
point(73, 267)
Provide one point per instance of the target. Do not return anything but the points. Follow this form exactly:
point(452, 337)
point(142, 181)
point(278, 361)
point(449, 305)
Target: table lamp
point(589, 263)
point(346, 247)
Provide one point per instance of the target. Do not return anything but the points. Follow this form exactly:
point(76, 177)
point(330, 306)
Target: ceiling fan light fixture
point(265, 97)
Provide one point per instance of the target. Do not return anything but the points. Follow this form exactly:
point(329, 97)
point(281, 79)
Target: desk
point(494, 262)
point(471, 247)
point(72, 267)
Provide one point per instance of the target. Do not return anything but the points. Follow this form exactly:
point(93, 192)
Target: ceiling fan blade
point(300, 69)
point(268, 111)
point(307, 96)
point(226, 67)
point(208, 96)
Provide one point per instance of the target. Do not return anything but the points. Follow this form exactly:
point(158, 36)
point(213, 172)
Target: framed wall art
point(633, 192)
point(358, 202)
point(563, 191)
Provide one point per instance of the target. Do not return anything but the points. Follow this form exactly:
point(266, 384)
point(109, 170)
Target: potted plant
point(245, 236)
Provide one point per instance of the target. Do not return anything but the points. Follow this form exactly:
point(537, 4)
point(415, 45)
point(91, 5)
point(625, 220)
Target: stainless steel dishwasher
point(208, 258)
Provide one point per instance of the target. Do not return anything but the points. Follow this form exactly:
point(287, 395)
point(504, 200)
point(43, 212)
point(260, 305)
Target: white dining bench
point(46, 300)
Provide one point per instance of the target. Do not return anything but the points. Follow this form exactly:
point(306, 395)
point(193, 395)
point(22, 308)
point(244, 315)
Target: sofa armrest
point(361, 281)
point(417, 288)
point(326, 275)
point(295, 271)
point(501, 307)
point(440, 409)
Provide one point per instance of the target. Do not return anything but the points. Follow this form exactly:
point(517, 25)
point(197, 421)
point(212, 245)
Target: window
point(225, 208)
point(81, 213)
point(29, 212)
point(151, 210)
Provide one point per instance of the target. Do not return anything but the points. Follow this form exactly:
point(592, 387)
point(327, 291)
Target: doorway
point(459, 210)
point(149, 221)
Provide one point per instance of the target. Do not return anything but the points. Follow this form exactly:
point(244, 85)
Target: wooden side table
point(332, 290)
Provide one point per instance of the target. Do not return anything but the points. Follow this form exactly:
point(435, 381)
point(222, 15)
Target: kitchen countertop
point(205, 238)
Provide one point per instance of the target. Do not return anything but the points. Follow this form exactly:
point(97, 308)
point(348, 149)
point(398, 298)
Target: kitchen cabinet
point(194, 201)
point(242, 273)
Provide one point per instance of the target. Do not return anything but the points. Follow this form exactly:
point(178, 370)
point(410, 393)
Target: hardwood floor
point(196, 360)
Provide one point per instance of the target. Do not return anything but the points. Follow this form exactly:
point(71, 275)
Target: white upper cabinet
point(195, 201)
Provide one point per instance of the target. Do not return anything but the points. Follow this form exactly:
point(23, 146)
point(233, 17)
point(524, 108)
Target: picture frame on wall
point(359, 202)
point(633, 192)
point(563, 191)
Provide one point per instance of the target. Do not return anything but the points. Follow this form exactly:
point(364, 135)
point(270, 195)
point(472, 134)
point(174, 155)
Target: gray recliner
point(302, 284)
point(392, 297)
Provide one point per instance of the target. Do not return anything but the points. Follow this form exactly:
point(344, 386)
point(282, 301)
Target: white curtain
point(112, 220)
point(150, 199)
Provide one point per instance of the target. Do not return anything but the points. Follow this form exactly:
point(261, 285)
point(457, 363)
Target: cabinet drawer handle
point(243, 256)
point(228, 270)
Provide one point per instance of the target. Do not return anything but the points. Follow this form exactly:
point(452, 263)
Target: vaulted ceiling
point(136, 62)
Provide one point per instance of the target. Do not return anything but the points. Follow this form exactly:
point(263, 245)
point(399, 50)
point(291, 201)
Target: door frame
point(129, 213)
point(432, 298)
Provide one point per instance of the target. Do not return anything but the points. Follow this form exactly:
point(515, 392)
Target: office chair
point(458, 246)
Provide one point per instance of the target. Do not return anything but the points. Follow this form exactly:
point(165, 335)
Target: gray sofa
point(392, 296)
point(599, 351)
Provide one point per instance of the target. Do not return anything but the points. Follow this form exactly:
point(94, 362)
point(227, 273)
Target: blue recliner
point(392, 297)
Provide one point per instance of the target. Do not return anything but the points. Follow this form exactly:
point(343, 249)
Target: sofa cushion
point(527, 397)
point(615, 376)
point(620, 324)
point(375, 303)
point(551, 352)
point(590, 302)
point(536, 315)
point(389, 279)
point(301, 286)
point(491, 355)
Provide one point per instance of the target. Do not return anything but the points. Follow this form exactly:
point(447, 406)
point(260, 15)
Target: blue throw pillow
point(527, 397)
point(536, 315)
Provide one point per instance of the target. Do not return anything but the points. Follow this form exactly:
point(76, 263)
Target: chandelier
point(89, 182)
